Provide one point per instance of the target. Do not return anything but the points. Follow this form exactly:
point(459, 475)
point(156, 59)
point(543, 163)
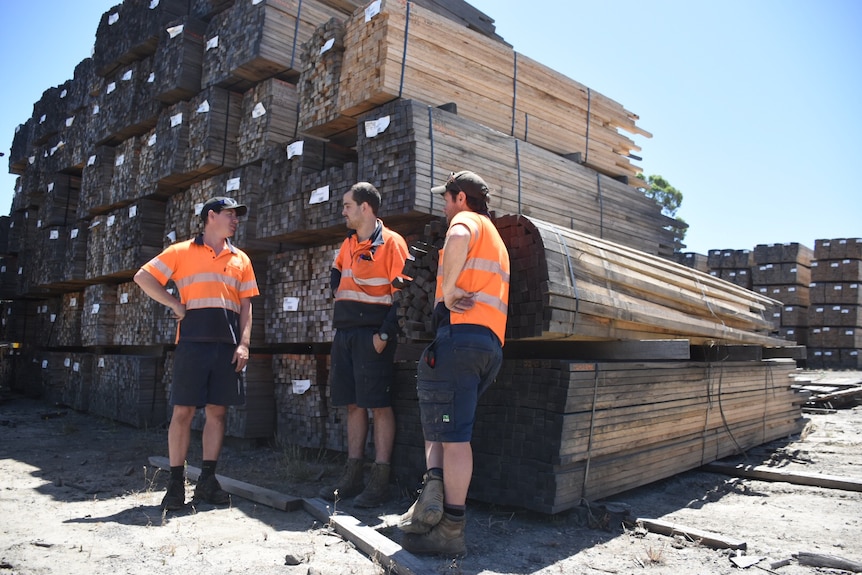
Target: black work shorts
point(359, 375)
point(204, 374)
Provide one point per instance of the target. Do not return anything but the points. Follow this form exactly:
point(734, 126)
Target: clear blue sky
point(754, 105)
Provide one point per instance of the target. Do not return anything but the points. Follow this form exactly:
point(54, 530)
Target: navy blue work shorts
point(454, 371)
point(358, 374)
point(204, 374)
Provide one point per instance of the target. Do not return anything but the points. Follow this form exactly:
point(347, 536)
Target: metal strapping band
point(601, 206)
point(295, 34)
point(592, 428)
point(404, 53)
point(518, 168)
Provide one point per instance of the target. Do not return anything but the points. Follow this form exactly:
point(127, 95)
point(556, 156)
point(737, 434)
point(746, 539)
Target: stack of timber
point(406, 51)
point(78, 378)
point(835, 315)
point(298, 304)
point(550, 433)
point(269, 113)
point(131, 30)
point(569, 285)
point(213, 132)
point(301, 399)
point(253, 41)
point(121, 241)
point(60, 201)
point(52, 376)
point(284, 197)
point(99, 316)
point(126, 106)
point(129, 389)
point(783, 272)
point(731, 265)
point(96, 177)
point(49, 112)
point(164, 153)
point(8, 278)
point(125, 175)
point(406, 148)
point(693, 260)
point(179, 60)
point(138, 318)
point(66, 331)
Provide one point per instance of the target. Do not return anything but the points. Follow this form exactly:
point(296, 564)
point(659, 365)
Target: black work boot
point(175, 496)
point(376, 493)
point(427, 510)
point(445, 538)
point(349, 484)
point(209, 491)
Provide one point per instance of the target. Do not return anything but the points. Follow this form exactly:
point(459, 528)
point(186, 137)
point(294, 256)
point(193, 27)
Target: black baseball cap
point(467, 182)
point(220, 203)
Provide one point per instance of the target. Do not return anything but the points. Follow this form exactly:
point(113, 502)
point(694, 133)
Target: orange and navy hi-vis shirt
point(362, 276)
point(211, 287)
point(485, 273)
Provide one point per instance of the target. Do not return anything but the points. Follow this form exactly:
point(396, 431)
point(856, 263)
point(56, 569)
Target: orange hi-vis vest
point(485, 273)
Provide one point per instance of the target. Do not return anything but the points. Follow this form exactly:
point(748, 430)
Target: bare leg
point(179, 434)
point(384, 434)
point(457, 472)
point(357, 431)
point(213, 435)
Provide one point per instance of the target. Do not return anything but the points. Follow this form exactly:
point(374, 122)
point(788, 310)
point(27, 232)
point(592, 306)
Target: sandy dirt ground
point(79, 496)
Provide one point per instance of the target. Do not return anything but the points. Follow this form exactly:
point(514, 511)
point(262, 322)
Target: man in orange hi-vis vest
point(470, 311)
point(363, 349)
point(216, 282)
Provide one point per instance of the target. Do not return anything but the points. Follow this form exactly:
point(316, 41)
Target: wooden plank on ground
point(796, 477)
point(707, 538)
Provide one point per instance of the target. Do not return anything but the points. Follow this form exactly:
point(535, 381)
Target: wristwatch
point(383, 336)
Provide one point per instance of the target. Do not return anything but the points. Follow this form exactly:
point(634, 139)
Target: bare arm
point(157, 291)
point(454, 257)
point(240, 355)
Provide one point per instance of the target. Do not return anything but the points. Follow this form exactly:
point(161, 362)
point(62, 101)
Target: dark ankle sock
point(455, 510)
point(436, 471)
point(207, 469)
point(177, 472)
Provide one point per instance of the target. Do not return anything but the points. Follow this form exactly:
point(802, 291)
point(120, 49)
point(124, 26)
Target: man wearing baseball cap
point(470, 311)
point(216, 282)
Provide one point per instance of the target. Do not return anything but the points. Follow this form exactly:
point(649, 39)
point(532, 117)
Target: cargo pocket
point(437, 409)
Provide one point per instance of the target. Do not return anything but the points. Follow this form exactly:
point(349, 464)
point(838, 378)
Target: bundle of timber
point(301, 399)
point(253, 41)
point(60, 201)
point(96, 177)
point(731, 265)
point(78, 377)
point(269, 112)
point(319, 80)
point(565, 284)
point(405, 51)
point(288, 200)
point(49, 112)
point(206, 9)
point(164, 154)
point(213, 132)
point(125, 175)
point(72, 145)
point(402, 144)
point(179, 60)
point(121, 241)
point(99, 316)
point(84, 85)
point(693, 260)
point(129, 389)
point(8, 278)
point(19, 323)
point(298, 303)
point(66, 330)
point(58, 259)
point(138, 317)
point(22, 146)
point(783, 272)
point(126, 105)
point(130, 31)
point(52, 377)
point(255, 418)
point(551, 432)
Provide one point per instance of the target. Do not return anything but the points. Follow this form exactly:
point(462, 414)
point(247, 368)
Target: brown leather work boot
point(349, 484)
point(445, 538)
point(377, 491)
point(427, 510)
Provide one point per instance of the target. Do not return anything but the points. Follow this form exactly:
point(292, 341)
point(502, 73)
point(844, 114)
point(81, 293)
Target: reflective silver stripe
point(492, 301)
point(247, 286)
point(485, 265)
point(208, 277)
point(363, 297)
point(373, 281)
point(201, 303)
point(160, 265)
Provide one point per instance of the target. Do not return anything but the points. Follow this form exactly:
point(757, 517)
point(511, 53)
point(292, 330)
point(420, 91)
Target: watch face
point(384, 336)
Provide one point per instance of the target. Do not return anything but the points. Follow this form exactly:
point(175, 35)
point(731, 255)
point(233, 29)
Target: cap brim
point(241, 210)
point(438, 189)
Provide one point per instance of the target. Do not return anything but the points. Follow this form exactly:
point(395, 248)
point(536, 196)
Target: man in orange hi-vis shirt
point(216, 282)
point(470, 311)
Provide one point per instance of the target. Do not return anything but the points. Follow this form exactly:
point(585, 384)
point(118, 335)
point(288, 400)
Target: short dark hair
point(475, 204)
point(366, 193)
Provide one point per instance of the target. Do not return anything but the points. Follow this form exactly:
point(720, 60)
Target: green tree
point(670, 200)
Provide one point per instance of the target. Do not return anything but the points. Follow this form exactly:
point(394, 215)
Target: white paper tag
point(198, 208)
point(154, 4)
point(300, 386)
point(152, 140)
point(101, 362)
point(95, 309)
point(44, 364)
point(112, 18)
point(120, 160)
point(67, 362)
point(212, 43)
point(133, 211)
point(73, 234)
point(127, 75)
point(295, 149)
point(258, 111)
point(111, 87)
point(69, 121)
point(290, 304)
point(50, 187)
point(177, 120)
point(151, 78)
point(232, 185)
point(53, 317)
point(73, 302)
point(53, 234)
point(76, 367)
point(375, 127)
point(172, 235)
point(319, 195)
point(64, 93)
point(204, 107)
point(111, 219)
point(372, 10)
point(327, 46)
point(42, 118)
point(175, 31)
point(124, 298)
point(96, 109)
